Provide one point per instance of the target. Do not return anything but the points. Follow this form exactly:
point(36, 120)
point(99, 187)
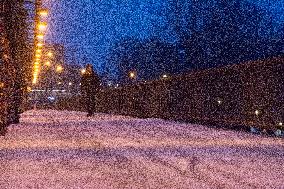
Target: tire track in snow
point(184, 173)
point(204, 176)
point(231, 177)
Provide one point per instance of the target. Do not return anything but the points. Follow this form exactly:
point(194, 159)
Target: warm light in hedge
point(256, 112)
point(83, 71)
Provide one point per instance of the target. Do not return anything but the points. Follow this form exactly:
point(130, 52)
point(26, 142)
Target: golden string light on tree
point(42, 26)
point(47, 63)
point(59, 68)
point(40, 36)
point(43, 13)
point(50, 54)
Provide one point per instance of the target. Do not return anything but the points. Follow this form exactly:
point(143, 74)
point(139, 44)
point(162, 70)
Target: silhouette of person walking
point(90, 84)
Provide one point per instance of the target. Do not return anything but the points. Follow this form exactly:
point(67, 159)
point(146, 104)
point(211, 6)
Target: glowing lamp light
point(280, 124)
point(132, 75)
point(43, 13)
point(219, 101)
point(6, 57)
point(40, 36)
point(29, 89)
point(34, 80)
point(69, 83)
point(165, 76)
point(42, 26)
point(39, 44)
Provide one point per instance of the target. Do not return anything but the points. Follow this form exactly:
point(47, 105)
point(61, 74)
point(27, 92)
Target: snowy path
point(53, 149)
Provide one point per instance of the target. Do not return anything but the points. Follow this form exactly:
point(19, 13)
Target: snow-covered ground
point(60, 149)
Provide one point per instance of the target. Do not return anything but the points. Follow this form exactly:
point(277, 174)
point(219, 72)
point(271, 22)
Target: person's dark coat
point(90, 85)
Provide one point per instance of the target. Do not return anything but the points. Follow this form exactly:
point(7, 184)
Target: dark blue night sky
point(89, 28)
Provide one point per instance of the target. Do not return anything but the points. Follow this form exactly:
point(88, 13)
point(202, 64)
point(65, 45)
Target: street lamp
point(132, 75)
